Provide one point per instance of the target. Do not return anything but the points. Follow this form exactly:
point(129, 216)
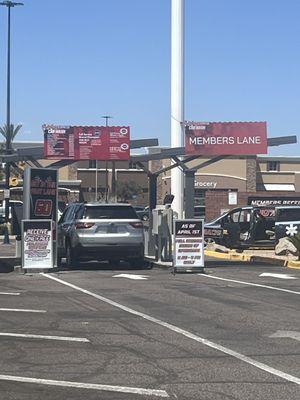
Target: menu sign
point(188, 245)
point(37, 243)
point(217, 138)
point(87, 142)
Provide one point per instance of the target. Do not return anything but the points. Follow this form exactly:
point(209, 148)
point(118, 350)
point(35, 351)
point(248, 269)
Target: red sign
point(86, 142)
point(217, 138)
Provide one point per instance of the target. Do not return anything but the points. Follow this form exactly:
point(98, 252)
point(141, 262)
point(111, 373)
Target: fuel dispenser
point(163, 216)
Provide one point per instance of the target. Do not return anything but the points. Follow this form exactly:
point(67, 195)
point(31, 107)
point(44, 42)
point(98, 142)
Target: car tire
point(114, 263)
point(208, 241)
point(71, 258)
point(137, 263)
point(59, 261)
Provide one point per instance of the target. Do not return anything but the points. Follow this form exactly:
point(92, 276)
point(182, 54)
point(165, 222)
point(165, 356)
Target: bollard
point(6, 235)
point(18, 246)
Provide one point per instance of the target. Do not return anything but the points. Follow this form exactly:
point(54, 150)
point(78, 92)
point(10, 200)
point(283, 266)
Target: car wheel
point(137, 263)
point(71, 259)
point(59, 261)
point(208, 241)
point(115, 263)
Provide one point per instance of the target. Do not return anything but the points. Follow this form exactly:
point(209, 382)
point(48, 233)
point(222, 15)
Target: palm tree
point(9, 134)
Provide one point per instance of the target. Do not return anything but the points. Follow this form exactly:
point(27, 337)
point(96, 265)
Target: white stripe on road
point(80, 385)
point(250, 284)
point(183, 332)
point(22, 310)
point(286, 334)
point(30, 336)
point(9, 293)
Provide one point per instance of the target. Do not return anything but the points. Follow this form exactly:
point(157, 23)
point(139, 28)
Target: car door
point(232, 228)
point(63, 228)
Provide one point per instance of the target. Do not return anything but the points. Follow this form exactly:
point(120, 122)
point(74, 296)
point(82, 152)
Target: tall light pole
point(107, 118)
point(177, 99)
point(9, 5)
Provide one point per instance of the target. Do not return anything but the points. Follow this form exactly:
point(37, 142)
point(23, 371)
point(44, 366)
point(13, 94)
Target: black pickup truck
point(253, 226)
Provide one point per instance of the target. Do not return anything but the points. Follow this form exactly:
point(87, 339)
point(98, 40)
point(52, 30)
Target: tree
point(127, 190)
point(9, 134)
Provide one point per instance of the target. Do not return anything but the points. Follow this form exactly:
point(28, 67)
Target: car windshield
point(109, 212)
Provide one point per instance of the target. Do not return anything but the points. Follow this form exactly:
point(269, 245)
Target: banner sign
point(274, 201)
point(86, 142)
point(37, 244)
point(188, 245)
point(217, 138)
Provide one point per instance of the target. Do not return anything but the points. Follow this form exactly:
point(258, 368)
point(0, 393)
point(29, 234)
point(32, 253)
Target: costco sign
point(86, 142)
point(217, 138)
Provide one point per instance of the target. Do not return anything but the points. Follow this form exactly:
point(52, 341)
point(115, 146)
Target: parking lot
point(115, 333)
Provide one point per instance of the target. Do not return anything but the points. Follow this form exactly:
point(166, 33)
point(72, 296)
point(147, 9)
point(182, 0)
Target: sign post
point(40, 199)
point(188, 245)
point(37, 244)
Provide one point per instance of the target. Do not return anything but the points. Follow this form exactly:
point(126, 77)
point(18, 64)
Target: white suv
point(96, 231)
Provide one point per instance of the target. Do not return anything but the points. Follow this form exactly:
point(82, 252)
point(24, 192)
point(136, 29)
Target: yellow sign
point(13, 181)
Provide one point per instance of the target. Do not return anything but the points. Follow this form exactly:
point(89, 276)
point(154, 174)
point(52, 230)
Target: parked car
point(244, 227)
point(96, 231)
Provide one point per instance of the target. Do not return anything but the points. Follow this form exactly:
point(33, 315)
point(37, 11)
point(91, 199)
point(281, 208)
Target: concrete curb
point(232, 256)
point(292, 264)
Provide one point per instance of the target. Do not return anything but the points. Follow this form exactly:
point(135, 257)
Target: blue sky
point(73, 61)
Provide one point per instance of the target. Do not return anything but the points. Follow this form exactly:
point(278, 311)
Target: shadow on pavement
point(104, 266)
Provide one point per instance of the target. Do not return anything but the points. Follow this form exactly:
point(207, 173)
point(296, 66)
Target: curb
point(292, 264)
point(252, 258)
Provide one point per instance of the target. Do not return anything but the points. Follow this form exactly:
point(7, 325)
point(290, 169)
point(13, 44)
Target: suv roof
point(95, 204)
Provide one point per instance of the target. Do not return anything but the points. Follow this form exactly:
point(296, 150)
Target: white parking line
point(80, 385)
point(250, 284)
point(22, 310)
point(30, 336)
point(9, 293)
point(183, 332)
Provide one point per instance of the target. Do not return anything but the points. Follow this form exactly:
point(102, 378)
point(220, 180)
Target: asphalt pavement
point(105, 332)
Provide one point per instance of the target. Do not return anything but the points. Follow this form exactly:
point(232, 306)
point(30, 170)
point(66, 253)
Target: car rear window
point(288, 214)
point(107, 212)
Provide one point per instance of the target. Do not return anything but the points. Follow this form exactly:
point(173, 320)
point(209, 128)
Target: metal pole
point(7, 144)
point(177, 99)
point(106, 117)
point(96, 182)
point(189, 193)
point(8, 4)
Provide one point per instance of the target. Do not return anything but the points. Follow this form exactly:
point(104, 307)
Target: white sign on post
point(188, 245)
point(37, 244)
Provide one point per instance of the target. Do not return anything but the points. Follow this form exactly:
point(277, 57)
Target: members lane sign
point(86, 142)
point(188, 245)
point(217, 138)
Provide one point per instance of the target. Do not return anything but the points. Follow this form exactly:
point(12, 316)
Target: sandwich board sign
point(37, 244)
point(188, 245)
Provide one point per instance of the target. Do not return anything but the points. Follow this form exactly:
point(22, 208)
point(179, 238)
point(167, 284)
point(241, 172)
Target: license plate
point(112, 229)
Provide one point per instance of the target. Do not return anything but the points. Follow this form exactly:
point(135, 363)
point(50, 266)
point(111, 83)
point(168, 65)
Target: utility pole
point(177, 99)
point(107, 118)
point(9, 5)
